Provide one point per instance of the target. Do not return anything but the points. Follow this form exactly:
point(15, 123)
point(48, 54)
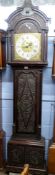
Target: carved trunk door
point(27, 97)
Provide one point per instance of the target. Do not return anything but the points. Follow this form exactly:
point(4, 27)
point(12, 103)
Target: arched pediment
point(28, 12)
point(28, 19)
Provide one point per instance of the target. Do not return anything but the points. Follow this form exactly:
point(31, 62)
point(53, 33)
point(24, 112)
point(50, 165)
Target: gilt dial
point(27, 46)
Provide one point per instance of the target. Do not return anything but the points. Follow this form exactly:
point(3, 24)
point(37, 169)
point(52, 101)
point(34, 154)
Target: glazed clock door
point(27, 114)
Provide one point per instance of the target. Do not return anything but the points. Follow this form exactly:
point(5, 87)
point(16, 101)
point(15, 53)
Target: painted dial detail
point(27, 45)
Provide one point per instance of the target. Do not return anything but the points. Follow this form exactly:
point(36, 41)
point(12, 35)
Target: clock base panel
point(22, 151)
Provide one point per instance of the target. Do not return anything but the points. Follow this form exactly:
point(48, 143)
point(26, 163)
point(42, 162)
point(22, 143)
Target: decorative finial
point(27, 3)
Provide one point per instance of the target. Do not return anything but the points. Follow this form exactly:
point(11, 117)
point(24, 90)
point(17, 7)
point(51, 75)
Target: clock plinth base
point(21, 151)
point(16, 169)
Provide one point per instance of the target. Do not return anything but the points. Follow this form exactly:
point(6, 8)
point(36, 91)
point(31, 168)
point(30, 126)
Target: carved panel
point(22, 151)
point(27, 100)
point(15, 154)
point(34, 156)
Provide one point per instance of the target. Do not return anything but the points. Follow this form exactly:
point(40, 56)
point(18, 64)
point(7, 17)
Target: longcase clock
point(27, 54)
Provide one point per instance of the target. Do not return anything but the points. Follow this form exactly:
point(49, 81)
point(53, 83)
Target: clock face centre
point(27, 46)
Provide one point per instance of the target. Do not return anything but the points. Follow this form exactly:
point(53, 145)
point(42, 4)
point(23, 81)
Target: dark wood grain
point(21, 151)
point(27, 90)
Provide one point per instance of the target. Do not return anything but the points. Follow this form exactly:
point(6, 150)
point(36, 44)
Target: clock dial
point(27, 46)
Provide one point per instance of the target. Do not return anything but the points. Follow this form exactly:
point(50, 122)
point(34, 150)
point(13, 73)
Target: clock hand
point(28, 45)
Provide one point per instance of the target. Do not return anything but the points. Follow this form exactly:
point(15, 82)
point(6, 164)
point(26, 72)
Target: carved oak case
point(27, 54)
